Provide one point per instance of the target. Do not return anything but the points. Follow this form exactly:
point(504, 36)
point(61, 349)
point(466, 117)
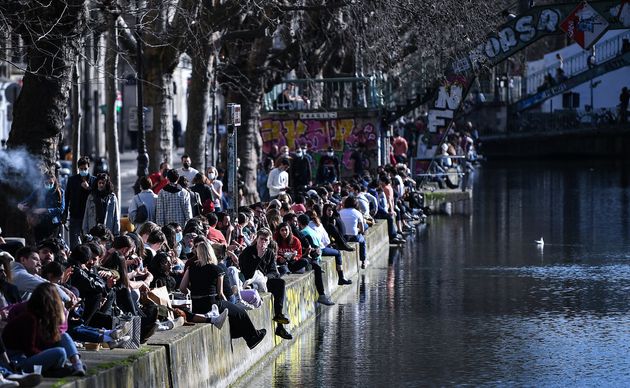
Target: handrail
point(325, 94)
point(578, 63)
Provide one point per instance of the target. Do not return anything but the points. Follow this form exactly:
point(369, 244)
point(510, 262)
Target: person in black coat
point(260, 256)
point(76, 194)
point(92, 287)
point(301, 176)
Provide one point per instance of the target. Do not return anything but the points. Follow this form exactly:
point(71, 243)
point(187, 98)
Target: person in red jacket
point(33, 335)
point(289, 257)
point(158, 179)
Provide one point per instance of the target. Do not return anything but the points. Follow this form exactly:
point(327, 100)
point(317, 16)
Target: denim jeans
point(361, 240)
point(328, 251)
point(54, 357)
point(86, 334)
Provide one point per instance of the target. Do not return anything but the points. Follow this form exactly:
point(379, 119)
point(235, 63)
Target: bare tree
point(52, 35)
point(165, 27)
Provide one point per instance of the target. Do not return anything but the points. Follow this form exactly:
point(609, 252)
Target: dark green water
point(474, 301)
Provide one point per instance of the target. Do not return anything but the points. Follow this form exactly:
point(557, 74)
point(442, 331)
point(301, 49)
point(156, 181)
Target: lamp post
point(143, 156)
point(234, 121)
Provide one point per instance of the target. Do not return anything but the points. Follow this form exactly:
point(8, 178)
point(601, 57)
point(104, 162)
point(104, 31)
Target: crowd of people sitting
point(106, 283)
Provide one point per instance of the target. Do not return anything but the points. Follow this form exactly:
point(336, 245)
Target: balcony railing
point(578, 63)
point(329, 94)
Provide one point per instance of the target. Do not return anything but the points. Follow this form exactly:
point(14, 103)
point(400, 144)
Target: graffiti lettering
point(524, 26)
point(548, 21)
point(508, 40)
point(452, 97)
point(344, 135)
point(436, 118)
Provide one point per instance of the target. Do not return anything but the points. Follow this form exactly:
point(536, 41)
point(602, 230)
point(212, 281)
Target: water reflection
point(473, 301)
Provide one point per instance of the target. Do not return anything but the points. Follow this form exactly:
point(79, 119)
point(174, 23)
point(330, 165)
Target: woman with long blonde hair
point(205, 279)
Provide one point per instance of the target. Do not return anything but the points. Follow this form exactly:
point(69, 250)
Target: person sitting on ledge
point(260, 256)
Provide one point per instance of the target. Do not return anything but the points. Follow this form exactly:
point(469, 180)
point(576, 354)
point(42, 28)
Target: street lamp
point(233, 121)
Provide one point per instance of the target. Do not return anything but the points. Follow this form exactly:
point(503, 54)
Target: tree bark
point(249, 145)
point(198, 105)
point(111, 129)
point(158, 96)
point(52, 36)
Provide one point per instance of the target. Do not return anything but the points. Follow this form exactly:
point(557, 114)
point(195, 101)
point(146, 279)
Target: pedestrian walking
point(78, 189)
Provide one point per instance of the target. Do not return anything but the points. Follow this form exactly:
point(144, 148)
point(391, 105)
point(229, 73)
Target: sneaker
point(244, 304)
point(121, 330)
point(215, 310)
point(363, 265)
point(260, 334)
point(173, 323)
point(119, 342)
point(25, 379)
point(280, 318)
point(343, 282)
point(4, 383)
point(283, 333)
point(323, 299)
point(162, 327)
point(219, 320)
point(79, 369)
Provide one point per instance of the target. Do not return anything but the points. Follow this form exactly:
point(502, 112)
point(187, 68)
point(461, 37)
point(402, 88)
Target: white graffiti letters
point(507, 38)
point(436, 118)
point(548, 21)
point(525, 28)
point(447, 102)
point(521, 31)
point(452, 97)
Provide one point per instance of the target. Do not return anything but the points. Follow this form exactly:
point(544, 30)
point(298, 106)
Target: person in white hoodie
point(278, 181)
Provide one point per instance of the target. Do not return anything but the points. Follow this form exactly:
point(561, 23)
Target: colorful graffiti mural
point(344, 135)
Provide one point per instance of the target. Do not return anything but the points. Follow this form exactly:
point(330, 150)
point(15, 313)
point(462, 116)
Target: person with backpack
point(142, 205)
point(195, 199)
point(205, 193)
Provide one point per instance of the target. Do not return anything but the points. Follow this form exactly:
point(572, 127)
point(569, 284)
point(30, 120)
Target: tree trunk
point(249, 145)
point(158, 96)
point(40, 110)
point(111, 129)
point(197, 101)
point(52, 36)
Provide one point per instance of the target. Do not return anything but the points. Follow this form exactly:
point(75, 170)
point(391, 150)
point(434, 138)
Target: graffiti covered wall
point(345, 135)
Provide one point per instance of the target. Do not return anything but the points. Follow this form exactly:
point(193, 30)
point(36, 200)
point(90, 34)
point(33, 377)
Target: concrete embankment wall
point(449, 201)
point(203, 356)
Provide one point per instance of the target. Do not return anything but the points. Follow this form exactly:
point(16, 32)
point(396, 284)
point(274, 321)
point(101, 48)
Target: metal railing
point(327, 94)
point(568, 119)
point(578, 63)
point(338, 94)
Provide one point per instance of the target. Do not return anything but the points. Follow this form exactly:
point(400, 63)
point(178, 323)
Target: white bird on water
point(540, 242)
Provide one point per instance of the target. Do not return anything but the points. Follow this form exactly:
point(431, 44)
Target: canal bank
point(201, 355)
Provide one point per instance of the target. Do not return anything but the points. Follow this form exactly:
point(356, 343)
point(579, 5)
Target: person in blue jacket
point(44, 208)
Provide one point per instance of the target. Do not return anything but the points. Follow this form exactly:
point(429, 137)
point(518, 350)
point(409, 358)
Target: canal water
point(473, 300)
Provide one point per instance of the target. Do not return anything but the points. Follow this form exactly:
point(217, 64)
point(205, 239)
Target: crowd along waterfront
point(474, 300)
